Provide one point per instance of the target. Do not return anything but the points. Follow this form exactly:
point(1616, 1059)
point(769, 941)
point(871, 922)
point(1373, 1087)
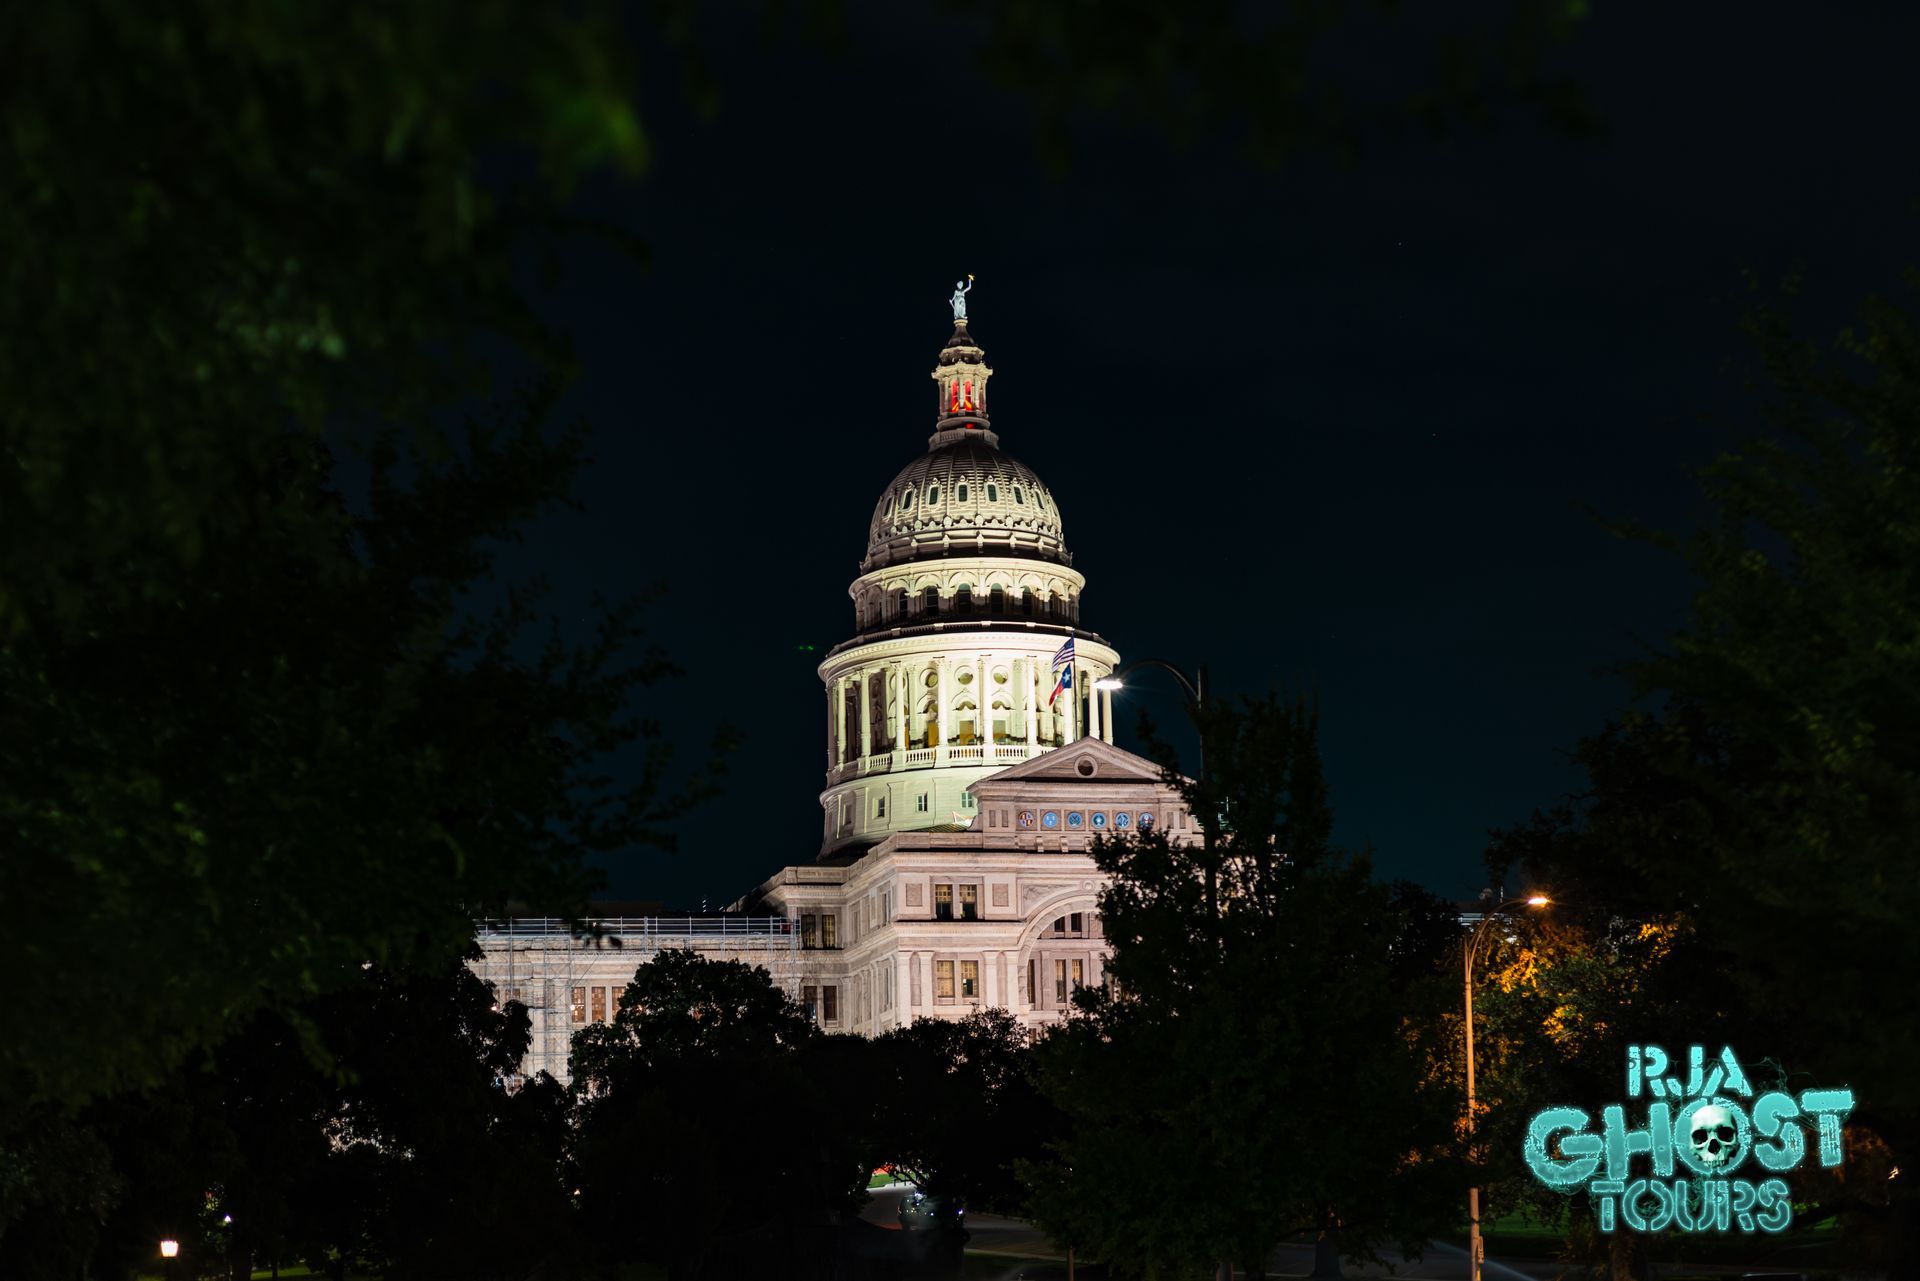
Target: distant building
point(969, 763)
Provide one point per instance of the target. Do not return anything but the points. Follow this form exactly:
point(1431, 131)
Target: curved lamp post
point(1195, 688)
point(1470, 951)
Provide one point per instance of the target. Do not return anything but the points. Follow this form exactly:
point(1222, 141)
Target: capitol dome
point(964, 498)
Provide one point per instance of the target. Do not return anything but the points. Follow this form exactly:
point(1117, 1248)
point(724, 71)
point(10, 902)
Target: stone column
point(1071, 729)
point(839, 720)
point(1093, 710)
point(1106, 712)
point(942, 698)
point(831, 762)
point(900, 711)
point(1032, 710)
point(866, 713)
point(982, 708)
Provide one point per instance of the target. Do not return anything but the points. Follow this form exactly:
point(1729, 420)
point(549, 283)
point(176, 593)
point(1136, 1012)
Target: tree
point(253, 730)
point(1259, 1075)
point(368, 1133)
point(961, 1107)
point(1763, 792)
point(669, 1102)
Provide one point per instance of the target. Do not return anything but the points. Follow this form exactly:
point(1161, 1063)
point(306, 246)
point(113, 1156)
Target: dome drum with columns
point(966, 594)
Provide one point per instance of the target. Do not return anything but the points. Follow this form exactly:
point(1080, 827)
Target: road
point(1013, 1239)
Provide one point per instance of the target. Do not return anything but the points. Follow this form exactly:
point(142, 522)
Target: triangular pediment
point(1109, 764)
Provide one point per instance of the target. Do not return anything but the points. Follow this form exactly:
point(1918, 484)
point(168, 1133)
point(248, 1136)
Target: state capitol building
point(969, 763)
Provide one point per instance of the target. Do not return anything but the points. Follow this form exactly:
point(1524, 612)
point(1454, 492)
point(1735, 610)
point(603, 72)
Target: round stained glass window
point(1146, 818)
point(1123, 819)
point(1098, 820)
point(1050, 819)
point(1076, 819)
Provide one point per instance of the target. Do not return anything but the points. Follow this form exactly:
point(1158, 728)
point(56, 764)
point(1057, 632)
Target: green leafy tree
point(1763, 793)
point(961, 1107)
point(669, 1098)
point(1260, 1074)
point(252, 728)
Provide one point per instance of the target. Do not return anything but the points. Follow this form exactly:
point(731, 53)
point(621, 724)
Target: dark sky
point(1317, 426)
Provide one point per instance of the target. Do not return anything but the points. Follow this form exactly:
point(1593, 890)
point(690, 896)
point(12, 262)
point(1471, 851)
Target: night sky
point(1326, 427)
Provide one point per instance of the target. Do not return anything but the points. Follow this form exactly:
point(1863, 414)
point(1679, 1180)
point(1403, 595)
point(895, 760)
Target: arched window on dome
point(906, 501)
point(930, 602)
point(993, 492)
point(1019, 498)
point(963, 599)
point(960, 492)
point(933, 495)
point(900, 605)
point(888, 509)
point(1029, 602)
point(997, 600)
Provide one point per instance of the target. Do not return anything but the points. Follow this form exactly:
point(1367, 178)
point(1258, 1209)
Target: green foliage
point(1762, 798)
point(1274, 79)
point(1262, 1073)
point(673, 1163)
point(250, 734)
point(397, 1153)
point(960, 1107)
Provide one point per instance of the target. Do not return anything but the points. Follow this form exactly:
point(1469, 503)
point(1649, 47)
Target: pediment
point(1069, 764)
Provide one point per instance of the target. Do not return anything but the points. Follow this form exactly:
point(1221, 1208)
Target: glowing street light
point(1474, 1247)
point(169, 1248)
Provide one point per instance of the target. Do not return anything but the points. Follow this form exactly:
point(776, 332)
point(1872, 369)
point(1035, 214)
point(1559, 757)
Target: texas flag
point(1063, 671)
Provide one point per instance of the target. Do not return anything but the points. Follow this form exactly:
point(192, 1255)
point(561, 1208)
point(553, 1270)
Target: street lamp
point(1471, 950)
point(168, 1249)
point(1195, 688)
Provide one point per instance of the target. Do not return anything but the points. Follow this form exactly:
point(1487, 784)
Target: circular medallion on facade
point(1050, 819)
point(1026, 818)
point(1086, 768)
point(1122, 819)
point(1076, 819)
point(1098, 820)
point(1146, 818)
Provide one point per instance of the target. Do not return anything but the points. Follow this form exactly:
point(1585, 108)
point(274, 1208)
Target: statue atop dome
point(959, 300)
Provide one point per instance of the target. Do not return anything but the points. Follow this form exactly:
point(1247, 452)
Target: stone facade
point(939, 923)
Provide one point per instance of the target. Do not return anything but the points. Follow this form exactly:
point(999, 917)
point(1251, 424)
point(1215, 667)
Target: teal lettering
point(1655, 1139)
point(1580, 1151)
point(1773, 1118)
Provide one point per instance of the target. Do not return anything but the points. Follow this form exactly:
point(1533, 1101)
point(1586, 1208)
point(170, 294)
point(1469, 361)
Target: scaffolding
point(541, 961)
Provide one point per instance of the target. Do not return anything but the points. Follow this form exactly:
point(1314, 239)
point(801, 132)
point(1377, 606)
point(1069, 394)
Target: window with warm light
point(970, 979)
point(943, 979)
point(579, 1004)
point(943, 902)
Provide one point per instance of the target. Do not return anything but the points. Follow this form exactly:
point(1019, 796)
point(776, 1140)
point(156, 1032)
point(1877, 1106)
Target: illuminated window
point(1079, 974)
point(614, 1005)
point(579, 1003)
point(599, 1005)
point(969, 902)
point(808, 929)
point(960, 493)
point(970, 978)
point(830, 1000)
point(943, 902)
point(827, 933)
point(943, 978)
point(933, 494)
point(810, 1001)
point(1060, 981)
point(993, 492)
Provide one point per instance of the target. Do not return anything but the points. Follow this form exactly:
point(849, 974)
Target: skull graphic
point(1712, 1135)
